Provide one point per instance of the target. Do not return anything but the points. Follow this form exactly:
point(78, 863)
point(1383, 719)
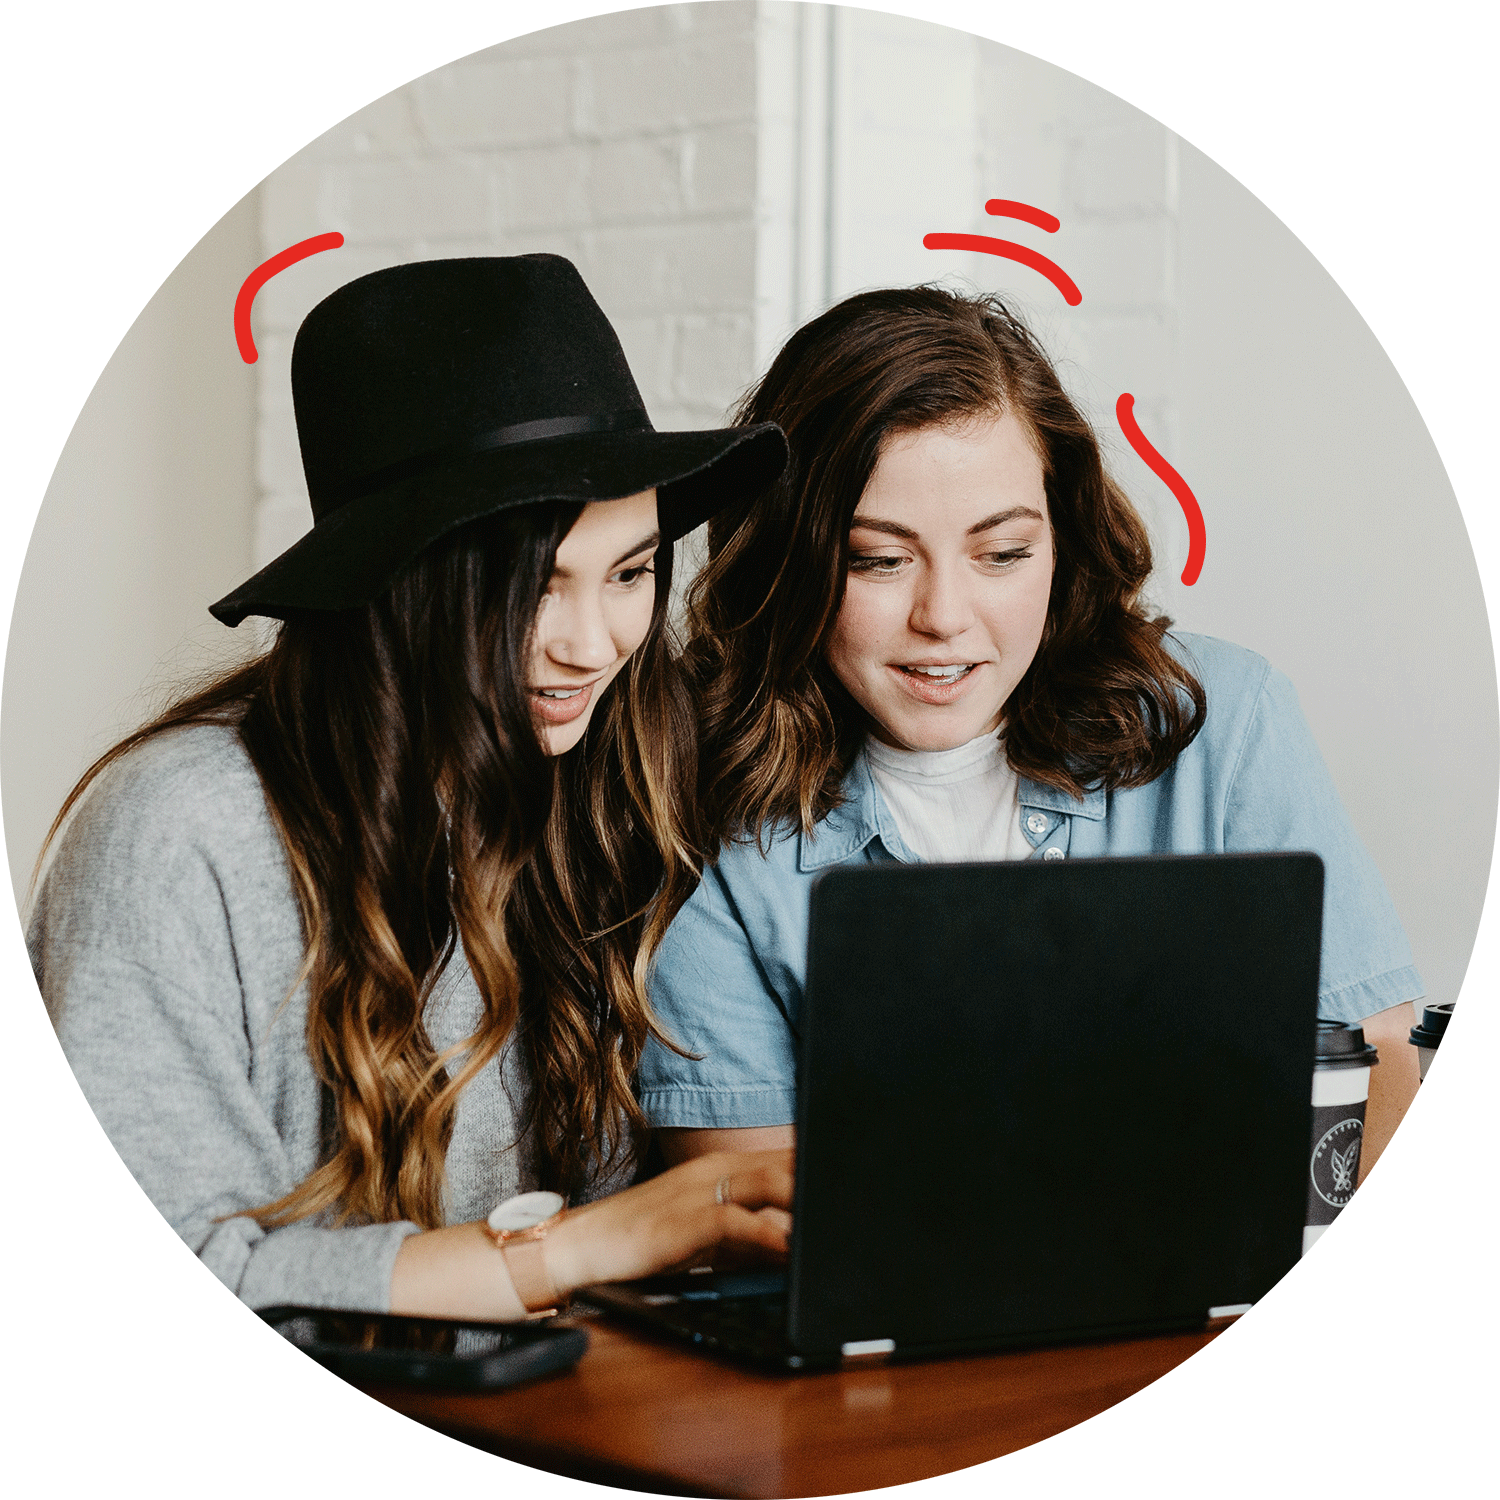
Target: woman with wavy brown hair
point(928, 641)
point(347, 948)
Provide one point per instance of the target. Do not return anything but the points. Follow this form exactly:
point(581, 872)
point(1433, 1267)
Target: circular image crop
point(728, 446)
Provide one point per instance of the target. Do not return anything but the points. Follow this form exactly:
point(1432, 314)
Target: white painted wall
point(1335, 545)
point(147, 520)
point(1337, 549)
point(868, 140)
point(627, 142)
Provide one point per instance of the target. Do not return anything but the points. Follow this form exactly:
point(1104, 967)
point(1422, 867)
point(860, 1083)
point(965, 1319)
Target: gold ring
point(722, 1195)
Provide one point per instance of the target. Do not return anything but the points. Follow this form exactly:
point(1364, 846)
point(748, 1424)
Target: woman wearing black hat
point(347, 948)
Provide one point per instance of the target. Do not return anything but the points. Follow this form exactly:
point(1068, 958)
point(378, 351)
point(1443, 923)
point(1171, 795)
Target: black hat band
point(335, 496)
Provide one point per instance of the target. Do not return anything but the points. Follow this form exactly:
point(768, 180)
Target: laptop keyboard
point(731, 1319)
point(745, 1313)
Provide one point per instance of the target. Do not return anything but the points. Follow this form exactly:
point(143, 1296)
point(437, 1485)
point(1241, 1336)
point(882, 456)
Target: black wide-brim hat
point(432, 394)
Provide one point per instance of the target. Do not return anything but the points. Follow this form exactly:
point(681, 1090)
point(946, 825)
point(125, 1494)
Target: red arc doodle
point(1008, 208)
point(261, 275)
point(1197, 535)
point(988, 245)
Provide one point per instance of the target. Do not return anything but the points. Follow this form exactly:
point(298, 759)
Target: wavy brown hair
point(1104, 703)
point(422, 821)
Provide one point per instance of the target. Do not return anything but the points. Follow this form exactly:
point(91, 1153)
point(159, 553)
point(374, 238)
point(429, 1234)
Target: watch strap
point(526, 1260)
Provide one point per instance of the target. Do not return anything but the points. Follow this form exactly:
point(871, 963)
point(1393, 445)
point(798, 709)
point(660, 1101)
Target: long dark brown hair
point(422, 820)
point(1104, 703)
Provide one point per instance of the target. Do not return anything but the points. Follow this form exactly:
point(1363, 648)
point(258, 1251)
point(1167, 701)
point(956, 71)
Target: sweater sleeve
point(150, 941)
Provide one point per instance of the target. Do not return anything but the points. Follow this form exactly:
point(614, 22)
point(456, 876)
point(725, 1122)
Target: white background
point(132, 129)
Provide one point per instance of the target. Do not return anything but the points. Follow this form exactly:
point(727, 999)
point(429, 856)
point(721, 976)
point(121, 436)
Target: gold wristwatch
point(519, 1227)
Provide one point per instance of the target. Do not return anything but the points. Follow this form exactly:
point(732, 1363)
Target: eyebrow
point(1015, 513)
point(895, 528)
point(652, 540)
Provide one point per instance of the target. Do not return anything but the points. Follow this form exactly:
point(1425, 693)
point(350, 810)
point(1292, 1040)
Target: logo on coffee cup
point(1335, 1162)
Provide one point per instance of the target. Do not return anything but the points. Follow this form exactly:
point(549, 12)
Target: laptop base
point(743, 1314)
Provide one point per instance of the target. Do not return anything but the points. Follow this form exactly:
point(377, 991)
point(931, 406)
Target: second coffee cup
point(1426, 1036)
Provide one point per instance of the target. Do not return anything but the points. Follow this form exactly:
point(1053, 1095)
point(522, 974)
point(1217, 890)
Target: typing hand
point(737, 1203)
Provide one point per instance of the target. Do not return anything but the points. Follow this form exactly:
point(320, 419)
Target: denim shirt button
point(1036, 823)
point(1052, 854)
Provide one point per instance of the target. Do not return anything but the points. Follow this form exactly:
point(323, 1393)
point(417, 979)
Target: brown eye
point(629, 577)
point(1005, 559)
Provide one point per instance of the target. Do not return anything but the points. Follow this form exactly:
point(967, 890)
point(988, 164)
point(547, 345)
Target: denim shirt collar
point(864, 816)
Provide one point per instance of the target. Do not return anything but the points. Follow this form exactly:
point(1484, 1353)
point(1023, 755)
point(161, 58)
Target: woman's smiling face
point(950, 571)
point(596, 611)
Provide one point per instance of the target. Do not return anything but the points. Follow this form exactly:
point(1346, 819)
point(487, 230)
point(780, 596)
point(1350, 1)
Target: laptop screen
point(1040, 1101)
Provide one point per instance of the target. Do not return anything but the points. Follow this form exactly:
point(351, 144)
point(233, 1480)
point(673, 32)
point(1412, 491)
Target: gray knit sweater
point(166, 938)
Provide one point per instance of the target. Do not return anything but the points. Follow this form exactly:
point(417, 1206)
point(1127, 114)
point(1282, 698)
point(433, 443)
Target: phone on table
point(382, 1348)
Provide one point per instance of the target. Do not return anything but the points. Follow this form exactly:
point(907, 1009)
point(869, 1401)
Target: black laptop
point(1037, 1103)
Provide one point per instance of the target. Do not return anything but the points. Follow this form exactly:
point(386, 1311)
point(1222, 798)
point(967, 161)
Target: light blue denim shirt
point(728, 978)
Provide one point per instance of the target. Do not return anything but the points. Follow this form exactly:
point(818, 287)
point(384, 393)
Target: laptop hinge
point(1222, 1317)
point(867, 1351)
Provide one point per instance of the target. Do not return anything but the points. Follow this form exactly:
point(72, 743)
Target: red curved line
point(1008, 208)
point(1197, 535)
point(987, 246)
point(262, 274)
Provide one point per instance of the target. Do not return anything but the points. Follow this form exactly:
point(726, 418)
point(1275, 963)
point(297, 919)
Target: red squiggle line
point(1197, 535)
point(1008, 208)
point(988, 246)
point(261, 275)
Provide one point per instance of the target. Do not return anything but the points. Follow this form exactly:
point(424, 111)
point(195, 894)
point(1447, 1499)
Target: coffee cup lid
point(1435, 1020)
point(1342, 1044)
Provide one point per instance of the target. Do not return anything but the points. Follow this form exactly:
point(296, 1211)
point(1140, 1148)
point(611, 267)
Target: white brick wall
point(626, 142)
point(722, 171)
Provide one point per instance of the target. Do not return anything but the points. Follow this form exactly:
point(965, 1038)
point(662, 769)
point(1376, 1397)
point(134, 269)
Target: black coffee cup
point(1341, 1086)
point(1425, 1038)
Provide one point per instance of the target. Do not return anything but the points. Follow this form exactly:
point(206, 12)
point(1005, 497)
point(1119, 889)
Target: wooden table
point(645, 1413)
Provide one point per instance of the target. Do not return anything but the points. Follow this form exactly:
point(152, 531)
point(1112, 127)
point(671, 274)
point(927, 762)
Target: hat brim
point(355, 551)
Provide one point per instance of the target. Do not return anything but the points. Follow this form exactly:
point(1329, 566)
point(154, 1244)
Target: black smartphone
point(381, 1348)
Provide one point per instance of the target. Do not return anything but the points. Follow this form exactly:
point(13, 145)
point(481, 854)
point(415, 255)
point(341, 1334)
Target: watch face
point(525, 1210)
